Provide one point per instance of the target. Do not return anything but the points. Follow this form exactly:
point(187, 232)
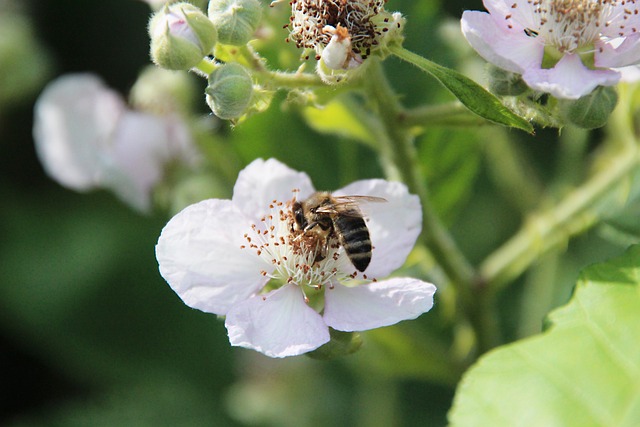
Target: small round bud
point(506, 83)
point(236, 20)
point(163, 91)
point(229, 91)
point(591, 111)
point(181, 35)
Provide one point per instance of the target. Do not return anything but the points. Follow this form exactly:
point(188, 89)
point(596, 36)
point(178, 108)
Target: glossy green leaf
point(471, 95)
point(583, 371)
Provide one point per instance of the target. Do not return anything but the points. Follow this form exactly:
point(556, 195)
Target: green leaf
point(338, 118)
point(583, 371)
point(473, 96)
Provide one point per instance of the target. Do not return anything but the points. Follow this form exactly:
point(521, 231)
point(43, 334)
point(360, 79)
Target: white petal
point(394, 226)
point(630, 74)
point(626, 21)
point(137, 156)
point(73, 122)
point(569, 79)
point(509, 49)
point(337, 52)
point(278, 324)
point(142, 145)
point(627, 53)
point(377, 304)
point(200, 256)
point(263, 181)
point(521, 11)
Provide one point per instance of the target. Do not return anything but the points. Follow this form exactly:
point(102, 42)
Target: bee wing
point(348, 205)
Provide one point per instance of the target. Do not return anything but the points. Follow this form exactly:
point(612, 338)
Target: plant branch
point(403, 154)
point(551, 227)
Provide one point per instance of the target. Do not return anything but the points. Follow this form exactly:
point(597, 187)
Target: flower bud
point(181, 35)
point(591, 111)
point(506, 83)
point(229, 91)
point(161, 91)
point(236, 20)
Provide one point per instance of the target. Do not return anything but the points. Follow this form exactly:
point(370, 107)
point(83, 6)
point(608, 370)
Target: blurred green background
point(90, 334)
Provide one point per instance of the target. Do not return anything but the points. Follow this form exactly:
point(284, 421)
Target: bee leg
point(323, 250)
point(310, 226)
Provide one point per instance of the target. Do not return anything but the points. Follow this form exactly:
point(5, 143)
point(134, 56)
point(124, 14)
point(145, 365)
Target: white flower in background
point(87, 138)
point(242, 258)
point(563, 47)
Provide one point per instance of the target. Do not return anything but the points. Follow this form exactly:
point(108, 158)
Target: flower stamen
point(292, 254)
point(571, 25)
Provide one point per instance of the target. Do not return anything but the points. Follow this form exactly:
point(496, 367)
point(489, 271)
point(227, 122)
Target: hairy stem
point(270, 79)
point(403, 154)
point(435, 236)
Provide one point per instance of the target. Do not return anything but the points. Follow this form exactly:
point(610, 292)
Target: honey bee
point(336, 217)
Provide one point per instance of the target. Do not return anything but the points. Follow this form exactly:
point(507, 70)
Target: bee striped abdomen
point(354, 237)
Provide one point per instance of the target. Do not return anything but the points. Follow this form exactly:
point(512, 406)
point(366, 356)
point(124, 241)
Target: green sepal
point(340, 344)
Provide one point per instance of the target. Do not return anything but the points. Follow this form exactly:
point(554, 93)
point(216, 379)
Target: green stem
point(205, 67)
point(403, 154)
point(435, 236)
point(551, 227)
point(270, 79)
point(253, 58)
point(284, 80)
point(577, 211)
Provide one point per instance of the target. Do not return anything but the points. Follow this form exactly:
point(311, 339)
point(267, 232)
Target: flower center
point(574, 25)
point(310, 17)
point(292, 254)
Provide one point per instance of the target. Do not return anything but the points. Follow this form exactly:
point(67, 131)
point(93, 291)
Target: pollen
point(290, 254)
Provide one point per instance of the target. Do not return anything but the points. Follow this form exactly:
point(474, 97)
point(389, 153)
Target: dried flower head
point(310, 20)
